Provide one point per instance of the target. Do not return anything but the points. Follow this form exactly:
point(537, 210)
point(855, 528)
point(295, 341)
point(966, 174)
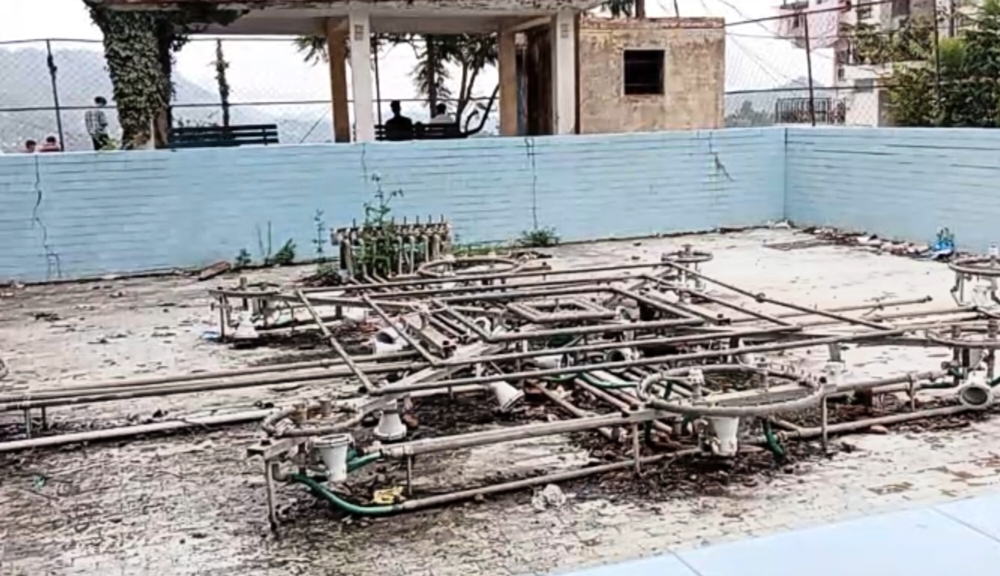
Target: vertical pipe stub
point(390, 426)
point(332, 451)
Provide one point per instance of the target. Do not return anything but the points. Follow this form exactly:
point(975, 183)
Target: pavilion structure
point(349, 24)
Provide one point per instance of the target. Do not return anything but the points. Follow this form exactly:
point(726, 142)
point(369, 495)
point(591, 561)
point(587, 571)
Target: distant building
point(857, 83)
point(651, 74)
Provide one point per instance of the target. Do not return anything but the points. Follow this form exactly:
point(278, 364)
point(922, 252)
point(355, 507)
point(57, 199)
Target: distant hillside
point(81, 75)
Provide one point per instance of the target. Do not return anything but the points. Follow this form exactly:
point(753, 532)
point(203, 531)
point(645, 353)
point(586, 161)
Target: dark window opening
point(900, 8)
point(643, 72)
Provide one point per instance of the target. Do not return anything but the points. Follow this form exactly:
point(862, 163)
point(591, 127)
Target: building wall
point(902, 183)
point(694, 74)
point(86, 214)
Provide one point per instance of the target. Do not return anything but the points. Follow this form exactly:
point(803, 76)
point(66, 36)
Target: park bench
point(223, 136)
point(420, 132)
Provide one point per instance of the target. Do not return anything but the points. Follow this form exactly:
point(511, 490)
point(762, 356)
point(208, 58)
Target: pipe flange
point(686, 255)
point(981, 266)
point(447, 268)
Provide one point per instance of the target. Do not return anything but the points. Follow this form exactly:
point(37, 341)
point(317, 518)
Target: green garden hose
point(772, 442)
point(343, 505)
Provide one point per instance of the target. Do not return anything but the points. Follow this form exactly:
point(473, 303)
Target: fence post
point(55, 92)
point(937, 68)
point(809, 69)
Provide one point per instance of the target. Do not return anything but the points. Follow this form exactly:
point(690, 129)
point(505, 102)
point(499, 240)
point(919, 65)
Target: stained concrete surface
point(924, 541)
point(193, 504)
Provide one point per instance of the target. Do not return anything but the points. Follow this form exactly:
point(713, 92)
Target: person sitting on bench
point(398, 127)
point(441, 115)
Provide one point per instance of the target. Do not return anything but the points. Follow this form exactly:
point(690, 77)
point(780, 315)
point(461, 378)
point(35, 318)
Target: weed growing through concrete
point(243, 259)
point(538, 238)
point(320, 240)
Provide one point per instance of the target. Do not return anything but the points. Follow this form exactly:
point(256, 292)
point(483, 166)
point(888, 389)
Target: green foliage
point(320, 240)
point(221, 65)
point(139, 47)
point(378, 248)
point(285, 256)
point(538, 238)
point(243, 259)
point(312, 48)
point(958, 86)
point(470, 53)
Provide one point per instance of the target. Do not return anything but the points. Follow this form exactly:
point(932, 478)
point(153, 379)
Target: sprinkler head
point(245, 329)
point(390, 426)
point(507, 396)
point(333, 452)
point(725, 435)
point(387, 341)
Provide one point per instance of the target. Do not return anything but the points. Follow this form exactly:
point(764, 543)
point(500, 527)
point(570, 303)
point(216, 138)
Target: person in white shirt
point(441, 115)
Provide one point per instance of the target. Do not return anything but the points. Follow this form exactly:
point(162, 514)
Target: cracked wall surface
point(694, 78)
point(89, 214)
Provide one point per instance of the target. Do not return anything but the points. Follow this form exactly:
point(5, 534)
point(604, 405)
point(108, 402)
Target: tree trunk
point(640, 8)
point(432, 95)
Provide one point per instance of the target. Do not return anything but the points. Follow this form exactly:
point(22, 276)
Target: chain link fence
point(789, 69)
point(48, 85)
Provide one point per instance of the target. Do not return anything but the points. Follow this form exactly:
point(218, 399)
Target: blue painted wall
point(87, 214)
point(902, 183)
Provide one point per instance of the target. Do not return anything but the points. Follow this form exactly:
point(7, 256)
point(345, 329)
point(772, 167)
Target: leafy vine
point(139, 47)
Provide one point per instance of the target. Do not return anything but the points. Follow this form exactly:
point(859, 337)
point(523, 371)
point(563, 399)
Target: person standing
point(97, 124)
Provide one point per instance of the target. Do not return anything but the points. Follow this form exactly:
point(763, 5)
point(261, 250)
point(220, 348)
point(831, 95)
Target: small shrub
point(243, 259)
point(538, 238)
point(284, 256)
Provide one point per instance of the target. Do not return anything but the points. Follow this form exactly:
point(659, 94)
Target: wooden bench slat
point(223, 136)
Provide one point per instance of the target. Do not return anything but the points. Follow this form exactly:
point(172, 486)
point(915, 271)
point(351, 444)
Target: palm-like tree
point(470, 53)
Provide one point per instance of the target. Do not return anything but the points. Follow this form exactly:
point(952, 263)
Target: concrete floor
point(195, 505)
point(961, 537)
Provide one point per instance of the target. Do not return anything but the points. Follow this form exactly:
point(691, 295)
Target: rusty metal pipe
point(772, 347)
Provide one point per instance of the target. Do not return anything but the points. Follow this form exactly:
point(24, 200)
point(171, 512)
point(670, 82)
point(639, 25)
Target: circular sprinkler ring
point(970, 336)
point(981, 266)
point(451, 267)
point(686, 256)
point(764, 404)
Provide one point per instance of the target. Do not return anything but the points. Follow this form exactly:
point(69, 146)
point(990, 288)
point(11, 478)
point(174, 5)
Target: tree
point(221, 65)
point(955, 83)
point(436, 54)
point(139, 47)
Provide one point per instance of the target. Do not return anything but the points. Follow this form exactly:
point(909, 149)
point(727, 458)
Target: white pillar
point(564, 73)
point(359, 28)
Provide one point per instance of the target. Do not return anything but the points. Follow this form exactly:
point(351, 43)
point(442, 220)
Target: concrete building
point(856, 82)
point(651, 74)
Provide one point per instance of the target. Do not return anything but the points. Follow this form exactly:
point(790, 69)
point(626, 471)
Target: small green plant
point(380, 247)
point(320, 240)
point(468, 250)
point(243, 259)
point(284, 256)
point(538, 238)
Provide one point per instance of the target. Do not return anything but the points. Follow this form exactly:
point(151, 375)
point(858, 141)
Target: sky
point(273, 71)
